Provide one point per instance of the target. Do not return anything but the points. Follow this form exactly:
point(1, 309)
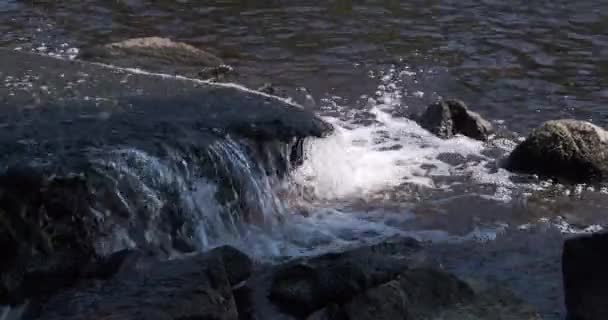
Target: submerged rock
point(573, 150)
point(584, 265)
point(157, 54)
point(447, 118)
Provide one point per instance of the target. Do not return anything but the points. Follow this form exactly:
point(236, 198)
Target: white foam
point(359, 160)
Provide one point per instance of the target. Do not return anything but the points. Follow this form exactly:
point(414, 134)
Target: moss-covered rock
point(572, 150)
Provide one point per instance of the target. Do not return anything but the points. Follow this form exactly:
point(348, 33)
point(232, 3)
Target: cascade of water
point(186, 201)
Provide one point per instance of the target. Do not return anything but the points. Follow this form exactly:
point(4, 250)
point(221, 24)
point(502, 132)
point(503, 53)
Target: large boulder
point(196, 287)
point(576, 151)
point(447, 118)
point(304, 286)
point(97, 160)
point(157, 54)
point(584, 265)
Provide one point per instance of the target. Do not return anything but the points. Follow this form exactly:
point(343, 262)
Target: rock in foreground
point(415, 294)
point(302, 287)
point(387, 281)
point(429, 294)
point(451, 117)
point(584, 265)
point(157, 54)
point(197, 287)
point(576, 151)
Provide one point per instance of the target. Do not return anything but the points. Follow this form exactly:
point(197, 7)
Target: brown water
point(518, 63)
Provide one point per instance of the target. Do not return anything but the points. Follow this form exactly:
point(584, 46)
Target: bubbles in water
point(386, 151)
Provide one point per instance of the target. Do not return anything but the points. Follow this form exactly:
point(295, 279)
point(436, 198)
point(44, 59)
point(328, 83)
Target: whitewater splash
point(388, 151)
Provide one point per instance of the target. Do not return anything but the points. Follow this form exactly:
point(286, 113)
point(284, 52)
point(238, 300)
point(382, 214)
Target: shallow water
point(363, 65)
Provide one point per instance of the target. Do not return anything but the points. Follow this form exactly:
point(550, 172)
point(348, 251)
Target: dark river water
point(362, 65)
point(518, 61)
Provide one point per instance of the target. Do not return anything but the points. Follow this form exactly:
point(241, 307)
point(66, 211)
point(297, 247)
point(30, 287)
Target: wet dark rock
point(119, 263)
point(302, 287)
point(584, 265)
point(43, 242)
point(101, 163)
point(160, 55)
point(447, 118)
point(237, 264)
point(415, 294)
point(395, 279)
point(573, 150)
point(192, 288)
point(425, 293)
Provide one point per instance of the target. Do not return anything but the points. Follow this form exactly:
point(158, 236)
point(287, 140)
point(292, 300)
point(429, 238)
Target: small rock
point(573, 150)
point(268, 88)
point(584, 265)
point(451, 117)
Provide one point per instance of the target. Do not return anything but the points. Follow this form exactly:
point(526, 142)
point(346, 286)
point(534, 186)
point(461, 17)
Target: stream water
point(363, 66)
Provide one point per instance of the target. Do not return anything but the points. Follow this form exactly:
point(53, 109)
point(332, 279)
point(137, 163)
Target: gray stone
point(447, 118)
point(572, 150)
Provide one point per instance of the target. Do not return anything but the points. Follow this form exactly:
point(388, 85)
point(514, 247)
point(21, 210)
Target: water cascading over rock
point(96, 160)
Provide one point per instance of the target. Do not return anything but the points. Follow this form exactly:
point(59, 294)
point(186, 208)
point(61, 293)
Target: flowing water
point(363, 66)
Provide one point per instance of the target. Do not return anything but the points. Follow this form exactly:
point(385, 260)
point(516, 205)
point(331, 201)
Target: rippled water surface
point(518, 61)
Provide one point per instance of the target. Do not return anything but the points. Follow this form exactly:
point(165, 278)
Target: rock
point(494, 303)
point(193, 288)
point(268, 88)
point(425, 293)
point(576, 151)
point(237, 264)
point(118, 263)
point(84, 177)
point(157, 54)
point(416, 294)
point(447, 118)
point(302, 287)
point(584, 265)
point(44, 244)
